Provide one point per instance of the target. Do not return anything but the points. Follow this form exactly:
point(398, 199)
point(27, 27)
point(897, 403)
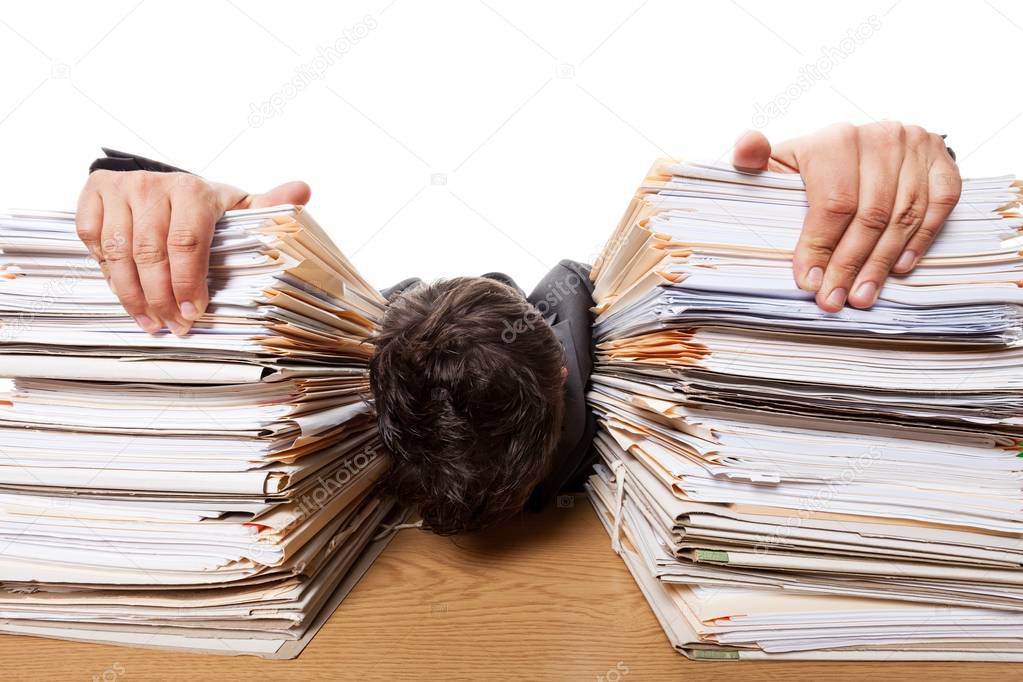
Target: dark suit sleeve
point(566, 295)
point(121, 161)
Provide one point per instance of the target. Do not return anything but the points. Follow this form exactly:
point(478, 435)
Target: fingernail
point(836, 298)
point(147, 324)
point(814, 278)
point(189, 311)
point(906, 261)
point(176, 328)
point(866, 294)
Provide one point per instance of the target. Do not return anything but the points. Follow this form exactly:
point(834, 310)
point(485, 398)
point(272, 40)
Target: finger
point(752, 151)
point(188, 246)
point(89, 221)
point(89, 226)
point(295, 192)
point(944, 187)
point(882, 146)
point(829, 164)
point(907, 216)
point(783, 156)
point(116, 259)
point(149, 250)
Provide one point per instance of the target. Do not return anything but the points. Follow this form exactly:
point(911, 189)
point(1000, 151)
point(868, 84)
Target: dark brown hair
point(467, 381)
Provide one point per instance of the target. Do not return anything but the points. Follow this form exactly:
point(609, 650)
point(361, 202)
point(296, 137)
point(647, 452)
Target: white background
point(540, 118)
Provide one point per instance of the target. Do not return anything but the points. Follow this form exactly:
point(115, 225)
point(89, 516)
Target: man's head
point(468, 380)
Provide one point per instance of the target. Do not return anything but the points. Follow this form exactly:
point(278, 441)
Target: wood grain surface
point(540, 598)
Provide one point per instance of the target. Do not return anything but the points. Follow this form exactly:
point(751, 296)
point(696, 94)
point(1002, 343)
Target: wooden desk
point(504, 605)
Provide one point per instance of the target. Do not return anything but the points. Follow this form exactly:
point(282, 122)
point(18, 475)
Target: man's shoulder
point(567, 282)
point(397, 289)
point(576, 268)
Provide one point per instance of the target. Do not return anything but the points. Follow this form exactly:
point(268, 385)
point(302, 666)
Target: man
point(480, 389)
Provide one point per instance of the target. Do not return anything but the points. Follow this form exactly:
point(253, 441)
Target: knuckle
point(188, 181)
point(192, 187)
point(148, 252)
point(846, 268)
point(133, 302)
point(882, 261)
point(869, 132)
point(164, 305)
point(881, 134)
point(926, 234)
point(183, 241)
point(873, 218)
point(100, 177)
point(161, 300)
point(185, 285)
point(910, 217)
point(840, 203)
point(947, 196)
point(87, 231)
point(844, 131)
point(844, 135)
point(115, 246)
point(143, 182)
point(894, 129)
point(819, 249)
point(916, 136)
point(115, 253)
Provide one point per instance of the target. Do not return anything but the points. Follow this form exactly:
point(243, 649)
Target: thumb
point(752, 151)
point(295, 192)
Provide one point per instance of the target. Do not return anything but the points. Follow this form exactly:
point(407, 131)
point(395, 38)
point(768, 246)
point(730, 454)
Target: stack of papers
point(214, 492)
point(789, 483)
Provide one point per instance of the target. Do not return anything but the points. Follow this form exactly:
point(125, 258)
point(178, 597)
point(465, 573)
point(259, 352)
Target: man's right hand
point(151, 235)
point(878, 194)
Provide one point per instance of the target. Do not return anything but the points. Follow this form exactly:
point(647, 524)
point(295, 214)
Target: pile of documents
point(213, 492)
point(785, 483)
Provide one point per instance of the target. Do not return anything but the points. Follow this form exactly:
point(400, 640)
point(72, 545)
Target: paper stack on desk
point(214, 492)
point(788, 483)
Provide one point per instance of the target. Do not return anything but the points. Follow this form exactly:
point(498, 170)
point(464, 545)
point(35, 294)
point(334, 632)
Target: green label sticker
point(711, 555)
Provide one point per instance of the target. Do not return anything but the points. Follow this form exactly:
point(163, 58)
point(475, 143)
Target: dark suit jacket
point(563, 297)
